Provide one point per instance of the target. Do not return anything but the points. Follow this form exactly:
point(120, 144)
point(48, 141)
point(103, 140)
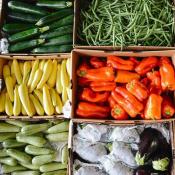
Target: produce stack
point(36, 87)
point(30, 148)
point(39, 27)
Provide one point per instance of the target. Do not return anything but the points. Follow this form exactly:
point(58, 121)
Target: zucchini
point(8, 161)
point(23, 17)
point(5, 136)
point(58, 172)
point(17, 122)
point(3, 153)
point(25, 45)
point(32, 140)
point(34, 150)
point(52, 167)
point(12, 143)
point(27, 34)
point(54, 16)
point(54, 4)
point(60, 40)
point(26, 8)
point(53, 49)
point(16, 27)
point(30, 166)
point(59, 137)
point(5, 127)
point(10, 169)
point(43, 159)
point(34, 128)
point(26, 173)
point(19, 155)
point(68, 20)
point(64, 155)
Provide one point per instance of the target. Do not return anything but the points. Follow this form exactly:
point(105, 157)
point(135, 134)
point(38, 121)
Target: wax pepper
point(91, 110)
point(167, 74)
point(153, 107)
point(95, 97)
point(102, 86)
point(119, 63)
point(125, 104)
point(100, 74)
point(83, 82)
point(146, 65)
point(168, 108)
point(129, 97)
point(97, 62)
point(119, 113)
point(124, 76)
point(111, 101)
point(137, 89)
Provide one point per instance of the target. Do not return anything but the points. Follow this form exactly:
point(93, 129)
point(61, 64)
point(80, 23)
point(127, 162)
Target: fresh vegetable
point(5, 127)
point(17, 103)
point(97, 62)
point(52, 167)
point(5, 136)
point(10, 169)
point(118, 113)
point(17, 122)
point(12, 143)
point(43, 159)
point(58, 172)
point(30, 166)
point(58, 137)
point(26, 172)
point(8, 161)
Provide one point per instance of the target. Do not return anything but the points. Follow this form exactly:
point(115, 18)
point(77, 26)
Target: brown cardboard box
point(76, 57)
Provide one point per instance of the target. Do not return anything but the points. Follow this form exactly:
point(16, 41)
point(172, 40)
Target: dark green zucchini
point(53, 49)
point(54, 16)
point(68, 20)
point(58, 32)
point(25, 45)
point(27, 34)
point(16, 27)
point(65, 39)
point(26, 8)
point(23, 17)
point(54, 4)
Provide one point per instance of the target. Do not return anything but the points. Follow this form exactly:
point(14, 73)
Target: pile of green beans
point(127, 23)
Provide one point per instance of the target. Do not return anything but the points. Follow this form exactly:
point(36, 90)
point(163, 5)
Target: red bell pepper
point(119, 63)
point(97, 62)
point(134, 60)
point(112, 102)
point(95, 97)
point(83, 82)
point(146, 65)
point(137, 89)
point(168, 108)
point(119, 113)
point(102, 86)
point(145, 81)
point(153, 107)
point(167, 74)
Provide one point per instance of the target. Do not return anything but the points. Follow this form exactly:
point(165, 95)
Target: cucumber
point(58, 32)
point(61, 127)
point(26, 173)
point(23, 17)
point(34, 150)
point(27, 34)
point(17, 122)
point(59, 137)
point(60, 40)
point(43, 159)
point(52, 167)
point(8, 161)
point(34, 128)
point(32, 140)
point(30, 166)
point(5, 127)
point(25, 45)
point(53, 49)
point(10, 169)
point(58, 172)
point(12, 143)
point(68, 20)
point(5, 136)
point(26, 8)
point(19, 155)
point(16, 27)
point(54, 16)
point(3, 153)
point(54, 4)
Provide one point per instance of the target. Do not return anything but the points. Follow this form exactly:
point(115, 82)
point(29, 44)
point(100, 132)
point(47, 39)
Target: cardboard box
point(25, 58)
point(77, 54)
point(72, 131)
point(77, 45)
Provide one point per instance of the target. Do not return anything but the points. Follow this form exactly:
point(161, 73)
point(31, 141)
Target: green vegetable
point(52, 167)
point(12, 143)
point(68, 29)
point(161, 164)
point(34, 150)
point(5, 127)
point(64, 155)
point(59, 172)
point(61, 127)
point(54, 4)
point(10, 169)
point(27, 34)
point(54, 16)
point(5, 136)
point(3, 153)
point(16, 27)
point(8, 161)
point(19, 155)
point(43, 159)
point(26, 173)
point(17, 122)
point(25, 45)
point(30, 166)
point(59, 137)
point(26, 8)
